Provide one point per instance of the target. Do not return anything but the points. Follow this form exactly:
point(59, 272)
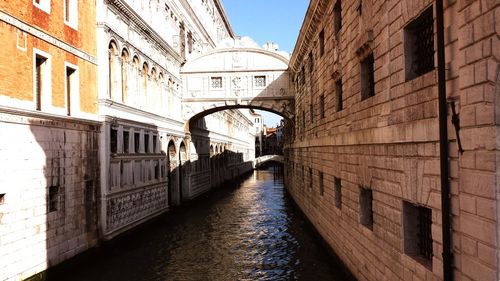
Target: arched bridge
point(238, 75)
point(268, 158)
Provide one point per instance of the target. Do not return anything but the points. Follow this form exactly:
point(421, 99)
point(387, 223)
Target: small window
point(321, 186)
point(216, 82)
point(113, 140)
point(2, 198)
point(365, 207)
point(337, 17)
point(42, 75)
point(321, 42)
point(310, 178)
point(43, 5)
point(155, 139)
point(146, 143)
point(126, 141)
point(53, 200)
point(71, 13)
point(70, 87)
point(367, 78)
point(419, 45)
point(260, 81)
point(338, 192)
point(322, 106)
point(338, 95)
point(137, 142)
point(311, 62)
point(417, 224)
point(157, 170)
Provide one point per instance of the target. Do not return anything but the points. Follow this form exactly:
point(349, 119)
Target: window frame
point(73, 13)
point(44, 5)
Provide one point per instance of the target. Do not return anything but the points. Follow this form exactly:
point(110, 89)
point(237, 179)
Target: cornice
point(225, 19)
point(200, 26)
point(314, 14)
point(123, 7)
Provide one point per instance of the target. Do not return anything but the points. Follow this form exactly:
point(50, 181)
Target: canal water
point(249, 230)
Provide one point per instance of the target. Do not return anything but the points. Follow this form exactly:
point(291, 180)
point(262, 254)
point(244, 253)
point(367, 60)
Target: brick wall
point(389, 142)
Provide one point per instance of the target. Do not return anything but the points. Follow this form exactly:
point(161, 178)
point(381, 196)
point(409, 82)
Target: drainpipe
point(443, 147)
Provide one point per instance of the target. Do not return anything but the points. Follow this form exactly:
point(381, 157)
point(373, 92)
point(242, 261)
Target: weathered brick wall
point(37, 153)
point(389, 142)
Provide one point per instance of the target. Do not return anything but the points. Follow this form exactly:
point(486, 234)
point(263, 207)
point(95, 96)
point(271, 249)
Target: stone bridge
point(238, 75)
point(268, 158)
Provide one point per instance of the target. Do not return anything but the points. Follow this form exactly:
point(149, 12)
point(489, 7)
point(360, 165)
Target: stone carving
point(130, 207)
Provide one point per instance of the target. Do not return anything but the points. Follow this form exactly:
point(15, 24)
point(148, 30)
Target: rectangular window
point(322, 106)
point(338, 95)
point(41, 76)
point(311, 63)
point(419, 45)
point(71, 13)
point(70, 87)
point(338, 192)
point(337, 17)
point(321, 186)
point(53, 199)
point(157, 170)
point(155, 139)
point(137, 142)
point(260, 81)
point(126, 141)
point(367, 78)
point(113, 140)
point(365, 207)
point(310, 178)
point(216, 82)
point(321, 42)
point(417, 224)
point(146, 143)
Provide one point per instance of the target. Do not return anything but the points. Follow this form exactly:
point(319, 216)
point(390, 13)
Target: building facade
point(49, 175)
point(364, 164)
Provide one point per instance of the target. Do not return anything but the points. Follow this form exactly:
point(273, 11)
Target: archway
point(173, 183)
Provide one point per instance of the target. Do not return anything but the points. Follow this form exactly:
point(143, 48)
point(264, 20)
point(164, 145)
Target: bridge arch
point(237, 77)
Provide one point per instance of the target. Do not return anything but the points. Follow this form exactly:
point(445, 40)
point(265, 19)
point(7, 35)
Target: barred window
point(337, 17)
point(367, 78)
point(338, 192)
point(417, 224)
point(113, 140)
point(365, 207)
point(260, 81)
point(321, 42)
point(338, 95)
point(322, 106)
point(321, 186)
point(216, 82)
point(419, 45)
point(53, 199)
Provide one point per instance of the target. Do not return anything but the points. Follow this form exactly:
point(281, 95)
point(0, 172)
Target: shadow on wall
point(50, 179)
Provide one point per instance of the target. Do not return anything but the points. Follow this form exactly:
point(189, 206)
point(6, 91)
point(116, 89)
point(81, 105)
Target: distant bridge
point(268, 158)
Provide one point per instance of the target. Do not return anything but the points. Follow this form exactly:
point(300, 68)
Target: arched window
point(112, 49)
point(153, 74)
point(145, 72)
point(182, 152)
point(211, 150)
point(125, 57)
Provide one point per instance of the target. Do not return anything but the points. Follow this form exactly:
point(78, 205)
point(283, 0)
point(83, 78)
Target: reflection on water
point(248, 231)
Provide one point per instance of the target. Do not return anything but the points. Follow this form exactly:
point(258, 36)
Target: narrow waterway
point(247, 231)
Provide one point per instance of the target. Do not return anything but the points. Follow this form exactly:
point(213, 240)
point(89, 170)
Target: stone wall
point(388, 143)
point(48, 187)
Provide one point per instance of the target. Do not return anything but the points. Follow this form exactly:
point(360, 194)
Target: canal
point(249, 230)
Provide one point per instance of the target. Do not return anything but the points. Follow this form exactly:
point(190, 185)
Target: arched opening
point(145, 76)
point(211, 150)
point(125, 67)
point(112, 53)
point(173, 193)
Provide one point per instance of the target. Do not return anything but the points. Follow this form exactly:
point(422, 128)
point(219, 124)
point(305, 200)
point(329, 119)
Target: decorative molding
point(40, 34)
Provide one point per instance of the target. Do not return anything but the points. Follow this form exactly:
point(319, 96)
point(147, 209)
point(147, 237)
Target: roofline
point(225, 18)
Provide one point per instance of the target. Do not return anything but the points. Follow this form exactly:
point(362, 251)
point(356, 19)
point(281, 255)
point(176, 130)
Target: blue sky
point(267, 20)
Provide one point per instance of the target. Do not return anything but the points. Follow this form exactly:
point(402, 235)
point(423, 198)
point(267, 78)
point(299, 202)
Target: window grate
point(338, 95)
point(423, 31)
point(425, 232)
point(338, 192)
point(216, 82)
point(260, 81)
point(367, 78)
